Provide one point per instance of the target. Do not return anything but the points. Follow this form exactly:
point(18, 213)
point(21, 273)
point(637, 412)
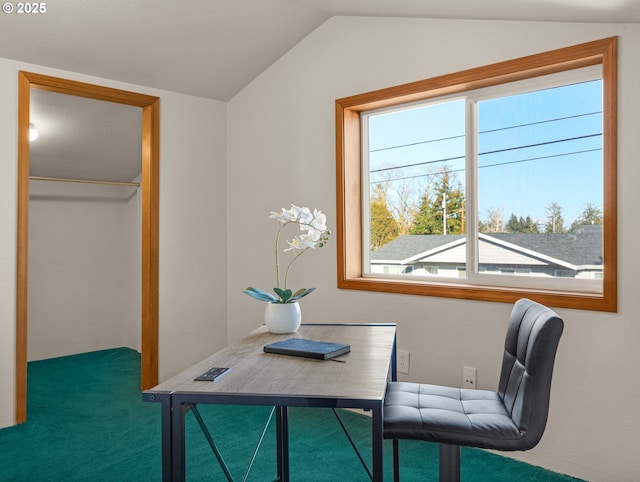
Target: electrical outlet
point(403, 361)
point(469, 377)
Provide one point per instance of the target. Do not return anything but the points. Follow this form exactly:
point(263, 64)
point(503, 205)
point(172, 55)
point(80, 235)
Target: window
point(430, 270)
point(532, 146)
point(503, 176)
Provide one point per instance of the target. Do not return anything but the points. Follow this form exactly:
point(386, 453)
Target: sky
point(535, 148)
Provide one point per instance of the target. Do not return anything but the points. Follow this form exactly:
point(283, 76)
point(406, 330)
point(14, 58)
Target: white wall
point(84, 269)
point(132, 236)
point(281, 150)
point(192, 225)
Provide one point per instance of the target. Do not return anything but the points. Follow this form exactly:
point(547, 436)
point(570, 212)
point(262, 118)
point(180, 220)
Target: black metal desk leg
point(282, 442)
point(377, 443)
point(165, 408)
point(179, 410)
point(394, 362)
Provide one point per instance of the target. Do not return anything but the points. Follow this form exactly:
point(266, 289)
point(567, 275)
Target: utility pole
point(444, 213)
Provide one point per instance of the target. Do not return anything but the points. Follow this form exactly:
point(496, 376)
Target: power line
point(424, 163)
point(531, 159)
point(429, 141)
point(497, 151)
point(568, 139)
point(417, 143)
point(540, 158)
point(575, 116)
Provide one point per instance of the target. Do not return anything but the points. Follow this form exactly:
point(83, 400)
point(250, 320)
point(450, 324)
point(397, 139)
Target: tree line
point(440, 209)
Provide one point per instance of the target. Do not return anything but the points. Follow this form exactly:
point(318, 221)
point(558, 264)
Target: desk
point(258, 378)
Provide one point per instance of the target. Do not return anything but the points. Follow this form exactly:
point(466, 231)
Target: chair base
point(449, 463)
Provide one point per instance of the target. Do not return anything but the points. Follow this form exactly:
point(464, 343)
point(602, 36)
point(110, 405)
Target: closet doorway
point(149, 219)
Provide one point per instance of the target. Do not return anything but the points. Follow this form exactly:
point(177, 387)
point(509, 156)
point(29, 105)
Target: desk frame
point(176, 403)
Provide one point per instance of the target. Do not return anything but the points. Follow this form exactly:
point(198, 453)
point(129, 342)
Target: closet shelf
point(85, 181)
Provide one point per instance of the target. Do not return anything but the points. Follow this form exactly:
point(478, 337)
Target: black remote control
point(212, 374)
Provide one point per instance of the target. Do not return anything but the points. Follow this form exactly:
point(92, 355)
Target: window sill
point(558, 299)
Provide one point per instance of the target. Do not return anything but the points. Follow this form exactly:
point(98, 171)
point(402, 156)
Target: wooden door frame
point(150, 203)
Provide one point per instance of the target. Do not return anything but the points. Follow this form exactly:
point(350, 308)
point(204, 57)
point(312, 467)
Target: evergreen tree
point(591, 214)
point(521, 225)
point(447, 199)
point(513, 225)
point(426, 221)
point(529, 226)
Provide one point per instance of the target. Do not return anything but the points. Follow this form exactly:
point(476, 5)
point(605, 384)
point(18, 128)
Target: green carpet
point(87, 422)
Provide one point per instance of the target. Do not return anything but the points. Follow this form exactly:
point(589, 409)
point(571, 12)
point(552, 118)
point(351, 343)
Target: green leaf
point(283, 294)
point(301, 293)
point(261, 295)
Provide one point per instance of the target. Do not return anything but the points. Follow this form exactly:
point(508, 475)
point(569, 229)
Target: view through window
point(536, 159)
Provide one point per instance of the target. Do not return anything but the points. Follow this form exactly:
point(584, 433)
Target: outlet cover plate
point(403, 361)
point(469, 377)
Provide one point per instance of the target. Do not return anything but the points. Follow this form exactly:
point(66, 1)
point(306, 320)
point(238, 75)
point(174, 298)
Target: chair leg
point(396, 461)
point(449, 463)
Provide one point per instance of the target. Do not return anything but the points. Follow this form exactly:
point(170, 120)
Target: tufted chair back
point(527, 366)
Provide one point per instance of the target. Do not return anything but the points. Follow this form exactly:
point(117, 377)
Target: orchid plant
point(316, 235)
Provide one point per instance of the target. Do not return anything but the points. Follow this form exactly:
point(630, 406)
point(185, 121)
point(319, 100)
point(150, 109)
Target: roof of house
point(582, 246)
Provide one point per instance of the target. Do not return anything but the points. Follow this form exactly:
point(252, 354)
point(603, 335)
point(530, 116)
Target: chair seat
point(449, 415)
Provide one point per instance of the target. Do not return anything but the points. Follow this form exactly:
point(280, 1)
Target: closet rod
point(86, 181)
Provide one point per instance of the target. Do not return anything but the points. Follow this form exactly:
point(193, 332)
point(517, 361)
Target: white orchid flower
point(300, 243)
point(319, 221)
point(293, 245)
point(287, 215)
point(313, 235)
point(302, 215)
point(316, 234)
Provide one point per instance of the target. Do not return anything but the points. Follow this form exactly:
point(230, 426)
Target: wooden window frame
point(349, 171)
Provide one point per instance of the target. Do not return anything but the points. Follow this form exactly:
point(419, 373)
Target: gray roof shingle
point(583, 246)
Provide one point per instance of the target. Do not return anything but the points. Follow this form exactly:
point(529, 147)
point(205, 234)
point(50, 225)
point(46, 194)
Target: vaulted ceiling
point(207, 48)
point(214, 48)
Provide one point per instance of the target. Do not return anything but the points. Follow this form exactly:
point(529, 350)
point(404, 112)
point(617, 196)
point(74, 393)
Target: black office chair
point(513, 418)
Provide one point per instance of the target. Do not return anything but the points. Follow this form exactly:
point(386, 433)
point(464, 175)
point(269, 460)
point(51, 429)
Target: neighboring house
point(577, 254)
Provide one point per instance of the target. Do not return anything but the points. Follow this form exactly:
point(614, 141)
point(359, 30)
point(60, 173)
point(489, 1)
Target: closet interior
point(84, 271)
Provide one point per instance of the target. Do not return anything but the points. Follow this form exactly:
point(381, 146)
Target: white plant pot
point(282, 317)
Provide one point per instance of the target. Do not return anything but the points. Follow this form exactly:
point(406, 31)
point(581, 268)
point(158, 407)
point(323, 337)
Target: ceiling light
point(33, 133)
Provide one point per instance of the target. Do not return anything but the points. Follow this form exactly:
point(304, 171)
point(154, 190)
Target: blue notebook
point(322, 350)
